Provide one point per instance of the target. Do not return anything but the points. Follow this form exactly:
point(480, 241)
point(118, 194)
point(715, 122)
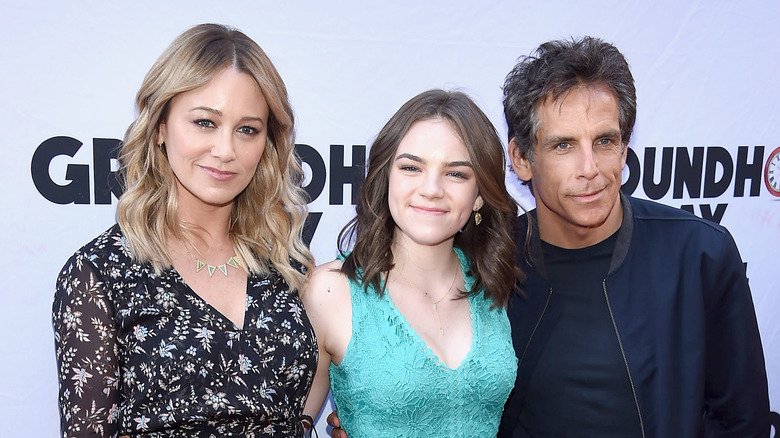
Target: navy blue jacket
point(684, 318)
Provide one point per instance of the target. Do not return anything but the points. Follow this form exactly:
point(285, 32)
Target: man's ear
point(624, 156)
point(520, 163)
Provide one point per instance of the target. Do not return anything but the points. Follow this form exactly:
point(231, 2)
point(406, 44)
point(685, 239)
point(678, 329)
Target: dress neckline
point(208, 305)
point(468, 283)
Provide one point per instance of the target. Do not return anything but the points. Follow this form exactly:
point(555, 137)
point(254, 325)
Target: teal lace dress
point(390, 384)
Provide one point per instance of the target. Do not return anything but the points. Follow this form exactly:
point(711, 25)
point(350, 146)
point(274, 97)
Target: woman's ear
point(160, 135)
point(478, 203)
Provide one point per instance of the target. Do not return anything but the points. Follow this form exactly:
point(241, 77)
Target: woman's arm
point(328, 304)
point(86, 349)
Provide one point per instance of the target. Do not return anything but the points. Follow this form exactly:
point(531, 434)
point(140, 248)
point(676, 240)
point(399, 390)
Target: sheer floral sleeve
point(85, 339)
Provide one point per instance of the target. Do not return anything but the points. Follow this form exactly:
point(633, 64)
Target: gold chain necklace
point(434, 302)
point(233, 261)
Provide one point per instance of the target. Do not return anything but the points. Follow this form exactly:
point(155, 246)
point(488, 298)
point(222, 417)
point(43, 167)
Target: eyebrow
point(219, 113)
point(446, 164)
point(564, 138)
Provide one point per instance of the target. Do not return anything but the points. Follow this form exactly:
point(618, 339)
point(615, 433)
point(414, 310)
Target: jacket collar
point(532, 250)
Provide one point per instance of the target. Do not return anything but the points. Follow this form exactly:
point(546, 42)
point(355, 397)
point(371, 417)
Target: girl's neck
point(426, 264)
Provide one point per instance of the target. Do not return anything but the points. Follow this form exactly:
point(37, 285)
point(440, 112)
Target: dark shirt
point(580, 386)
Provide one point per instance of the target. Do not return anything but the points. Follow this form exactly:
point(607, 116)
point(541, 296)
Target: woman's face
point(433, 189)
point(214, 137)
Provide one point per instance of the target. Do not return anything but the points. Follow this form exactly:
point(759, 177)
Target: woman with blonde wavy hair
point(184, 317)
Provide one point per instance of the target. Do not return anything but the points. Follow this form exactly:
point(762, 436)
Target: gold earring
point(477, 218)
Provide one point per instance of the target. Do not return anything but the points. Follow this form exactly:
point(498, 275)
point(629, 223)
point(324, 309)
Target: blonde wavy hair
point(267, 219)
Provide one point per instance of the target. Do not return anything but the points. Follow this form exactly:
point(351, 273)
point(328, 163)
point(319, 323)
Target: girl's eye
point(409, 168)
point(459, 175)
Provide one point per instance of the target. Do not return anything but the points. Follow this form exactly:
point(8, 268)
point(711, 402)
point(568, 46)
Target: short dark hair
point(554, 69)
point(490, 247)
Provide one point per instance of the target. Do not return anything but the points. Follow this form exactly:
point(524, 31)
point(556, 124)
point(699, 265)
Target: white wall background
point(706, 74)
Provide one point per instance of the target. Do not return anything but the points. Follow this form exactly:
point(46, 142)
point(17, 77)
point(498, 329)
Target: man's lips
point(588, 196)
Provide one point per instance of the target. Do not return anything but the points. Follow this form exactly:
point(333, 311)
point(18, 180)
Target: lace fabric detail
point(391, 384)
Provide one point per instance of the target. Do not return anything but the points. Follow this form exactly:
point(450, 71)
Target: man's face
point(576, 168)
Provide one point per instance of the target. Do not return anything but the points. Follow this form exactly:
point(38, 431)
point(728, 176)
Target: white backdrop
point(706, 75)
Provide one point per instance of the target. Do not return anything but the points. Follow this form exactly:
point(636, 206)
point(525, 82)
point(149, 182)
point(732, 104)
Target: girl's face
point(433, 189)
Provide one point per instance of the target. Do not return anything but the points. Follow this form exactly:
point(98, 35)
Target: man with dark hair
point(636, 319)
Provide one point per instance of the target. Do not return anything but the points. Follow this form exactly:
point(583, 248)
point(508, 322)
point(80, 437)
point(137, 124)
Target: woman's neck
point(425, 264)
point(207, 228)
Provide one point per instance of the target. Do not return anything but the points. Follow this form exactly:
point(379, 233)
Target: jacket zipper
point(533, 332)
point(623, 353)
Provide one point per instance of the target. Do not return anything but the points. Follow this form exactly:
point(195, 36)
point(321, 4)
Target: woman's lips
point(428, 210)
point(219, 175)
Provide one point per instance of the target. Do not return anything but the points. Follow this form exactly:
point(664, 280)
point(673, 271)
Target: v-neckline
point(425, 347)
point(208, 305)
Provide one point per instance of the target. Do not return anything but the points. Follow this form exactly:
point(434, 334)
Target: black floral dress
point(142, 354)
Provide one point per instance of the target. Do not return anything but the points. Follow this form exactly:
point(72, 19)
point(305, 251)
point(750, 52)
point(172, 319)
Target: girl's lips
point(219, 175)
point(429, 210)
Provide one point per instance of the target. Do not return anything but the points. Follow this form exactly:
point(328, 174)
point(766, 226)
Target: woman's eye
point(204, 123)
point(247, 130)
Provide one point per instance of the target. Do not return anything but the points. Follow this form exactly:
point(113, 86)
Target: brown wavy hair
point(489, 247)
point(267, 219)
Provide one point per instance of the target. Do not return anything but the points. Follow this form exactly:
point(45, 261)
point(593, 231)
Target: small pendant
point(442, 331)
point(223, 268)
point(435, 306)
point(233, 261)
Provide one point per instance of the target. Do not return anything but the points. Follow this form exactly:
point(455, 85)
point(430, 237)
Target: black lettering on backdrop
point(77, 190)
point(632, 162)
point(653, 190)
point(687, 172)
point(704, 172)
point(341, 174)
point(709, 169)
point(106, 181)
point(717, 156)
point(310, 156)
point(751, 171)
point(310, 226)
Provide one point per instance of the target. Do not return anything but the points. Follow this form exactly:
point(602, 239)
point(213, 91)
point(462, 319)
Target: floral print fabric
point(143, 354)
